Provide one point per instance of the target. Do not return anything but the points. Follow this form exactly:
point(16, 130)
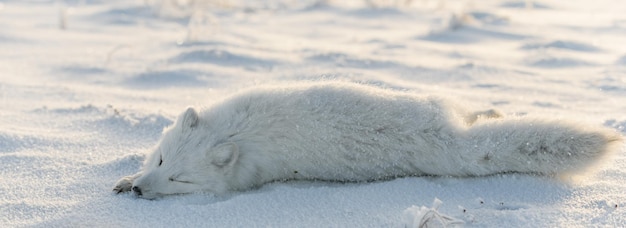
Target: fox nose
point(137, 190)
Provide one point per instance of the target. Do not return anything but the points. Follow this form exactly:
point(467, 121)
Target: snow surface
point(86, 86)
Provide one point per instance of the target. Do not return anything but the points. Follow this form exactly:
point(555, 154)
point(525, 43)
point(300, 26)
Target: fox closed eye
point(180, 181)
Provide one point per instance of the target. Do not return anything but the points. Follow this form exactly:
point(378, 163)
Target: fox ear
point(189, 118)
point(225, 155)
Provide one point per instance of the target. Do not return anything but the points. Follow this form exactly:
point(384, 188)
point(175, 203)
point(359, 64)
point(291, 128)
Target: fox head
point(187, 159)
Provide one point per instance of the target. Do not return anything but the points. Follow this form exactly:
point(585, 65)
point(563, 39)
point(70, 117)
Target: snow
point(87, 86)
point(429, 217)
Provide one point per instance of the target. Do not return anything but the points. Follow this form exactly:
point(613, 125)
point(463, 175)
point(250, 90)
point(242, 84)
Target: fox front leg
point(126, 183)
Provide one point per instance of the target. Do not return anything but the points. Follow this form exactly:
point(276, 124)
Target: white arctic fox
point(349, 132)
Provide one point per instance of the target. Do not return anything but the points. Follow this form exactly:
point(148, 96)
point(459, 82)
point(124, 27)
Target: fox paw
point(123, 185)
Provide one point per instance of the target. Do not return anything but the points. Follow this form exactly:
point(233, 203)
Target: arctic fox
point(349, 132)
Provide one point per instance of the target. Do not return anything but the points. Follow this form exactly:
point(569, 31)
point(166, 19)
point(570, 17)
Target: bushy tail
point(537, 146)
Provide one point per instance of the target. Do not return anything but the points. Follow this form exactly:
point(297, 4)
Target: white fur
point(349, 132)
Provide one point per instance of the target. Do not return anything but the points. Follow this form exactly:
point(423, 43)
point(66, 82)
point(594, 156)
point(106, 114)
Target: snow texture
point(86, 88)
point(429, 217)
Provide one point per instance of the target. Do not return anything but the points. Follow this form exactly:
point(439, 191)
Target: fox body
point(350, 132)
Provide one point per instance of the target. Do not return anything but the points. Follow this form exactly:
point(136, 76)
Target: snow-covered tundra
point(348, 132)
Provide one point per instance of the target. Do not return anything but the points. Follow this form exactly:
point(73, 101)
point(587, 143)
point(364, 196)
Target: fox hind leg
point(487, 114)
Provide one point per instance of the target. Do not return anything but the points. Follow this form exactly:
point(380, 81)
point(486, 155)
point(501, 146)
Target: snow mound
point(562, 44)
point(424, 217)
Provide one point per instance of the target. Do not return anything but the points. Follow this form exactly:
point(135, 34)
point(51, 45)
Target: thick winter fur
point(349, 132)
